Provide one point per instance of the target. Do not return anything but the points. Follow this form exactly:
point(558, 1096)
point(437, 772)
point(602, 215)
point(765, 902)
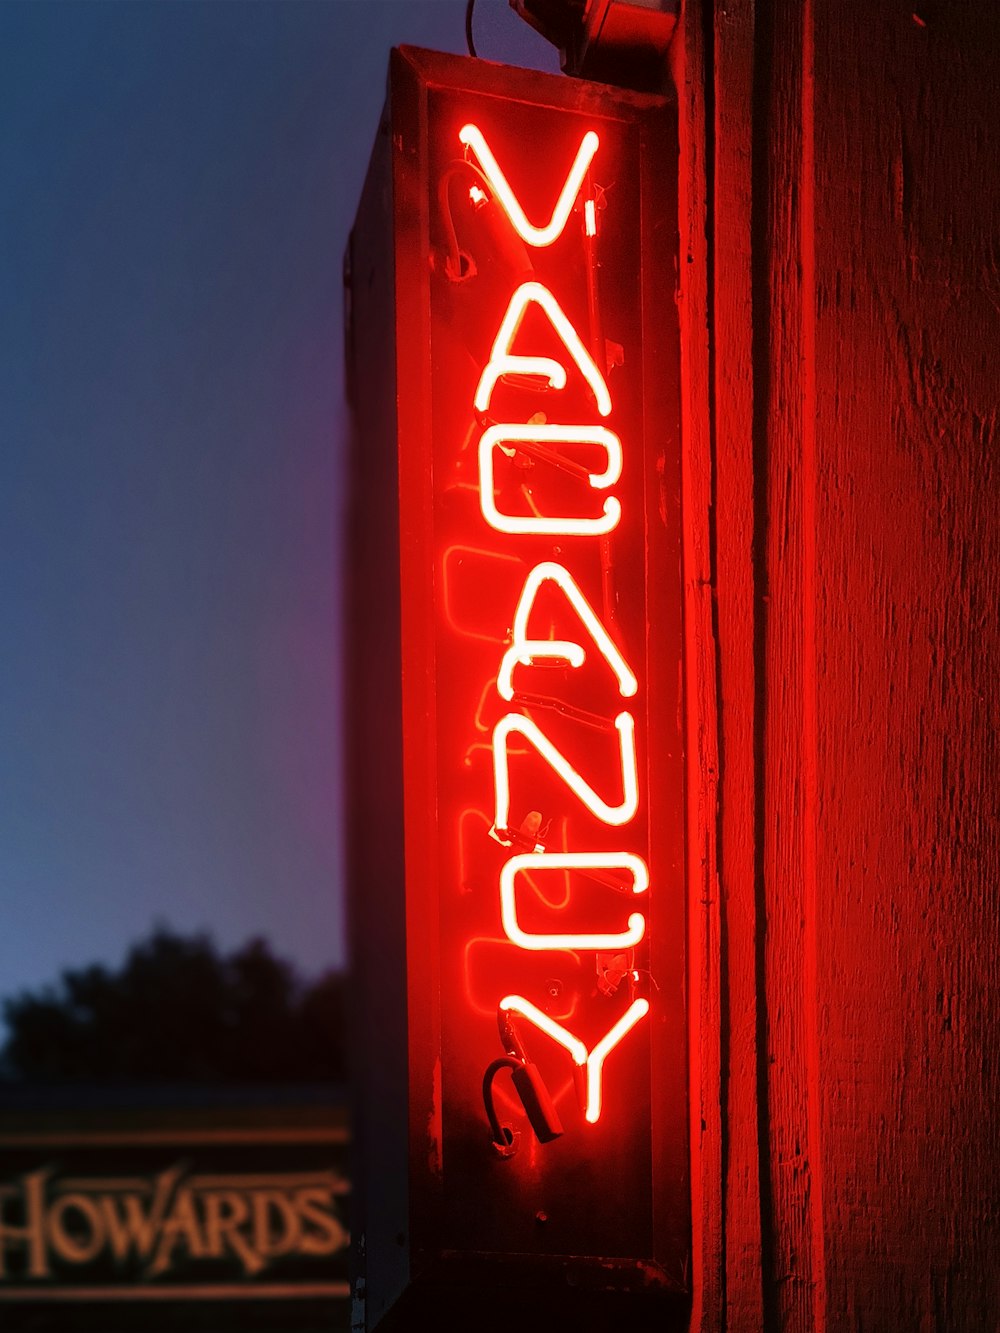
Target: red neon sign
point(522, 357)
point(534, 423)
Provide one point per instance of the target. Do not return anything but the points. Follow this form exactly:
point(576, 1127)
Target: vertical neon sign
point(529, 517)
point(540, 358)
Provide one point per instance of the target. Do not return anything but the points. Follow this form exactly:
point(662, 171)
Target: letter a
point(526, 651)
point(501, 361)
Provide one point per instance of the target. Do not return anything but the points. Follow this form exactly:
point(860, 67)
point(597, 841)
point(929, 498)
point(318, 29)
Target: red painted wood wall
point(841, 300)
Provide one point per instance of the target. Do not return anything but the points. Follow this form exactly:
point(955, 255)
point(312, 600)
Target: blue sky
point(177, 181)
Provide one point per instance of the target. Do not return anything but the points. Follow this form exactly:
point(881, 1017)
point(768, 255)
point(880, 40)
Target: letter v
point(472, 137)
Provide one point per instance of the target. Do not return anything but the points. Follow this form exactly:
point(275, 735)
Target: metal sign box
point(514, 703)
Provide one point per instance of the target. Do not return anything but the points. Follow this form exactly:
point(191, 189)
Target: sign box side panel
point(373, 727)
point(419, 686)
point(661, 406)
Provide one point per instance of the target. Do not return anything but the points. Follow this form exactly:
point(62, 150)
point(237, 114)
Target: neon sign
point(523, 358)
point(524, 529)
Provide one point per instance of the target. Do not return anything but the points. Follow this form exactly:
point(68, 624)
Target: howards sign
point(157, 1206)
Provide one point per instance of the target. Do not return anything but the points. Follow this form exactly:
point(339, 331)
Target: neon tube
point(472, 137)
point(517, 1004)
point(525, 651)
point(572, 861)
point(593, 1061)
point(615, 815)
point(502, 362)
point(498, 436)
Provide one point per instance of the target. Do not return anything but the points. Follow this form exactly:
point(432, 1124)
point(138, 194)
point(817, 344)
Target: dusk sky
point(178, 183)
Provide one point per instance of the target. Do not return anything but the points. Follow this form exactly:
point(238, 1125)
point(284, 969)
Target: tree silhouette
point(179, 1011)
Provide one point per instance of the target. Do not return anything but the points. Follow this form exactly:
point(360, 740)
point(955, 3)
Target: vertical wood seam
point(687, 64)
point(786, 714)
point(810, 740)
point(729, 37)
point(760, 116)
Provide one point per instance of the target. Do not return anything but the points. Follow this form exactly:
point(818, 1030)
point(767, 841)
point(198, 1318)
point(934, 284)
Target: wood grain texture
point(844, 197)
point(784, 451)
point(687, 59)
point(731, 134)
point(908, 563)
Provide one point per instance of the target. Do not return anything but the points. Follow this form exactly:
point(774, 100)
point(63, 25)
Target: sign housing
point(514, 690)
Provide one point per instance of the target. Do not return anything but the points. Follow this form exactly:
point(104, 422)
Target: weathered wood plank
point(687, 58)
point(733, 534)
point(843, 154)
point(784, 443)
point(908, 557)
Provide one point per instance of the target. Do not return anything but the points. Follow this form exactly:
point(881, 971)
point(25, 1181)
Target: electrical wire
point(468, 27)
point(502, 1136)
point(453, 264)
